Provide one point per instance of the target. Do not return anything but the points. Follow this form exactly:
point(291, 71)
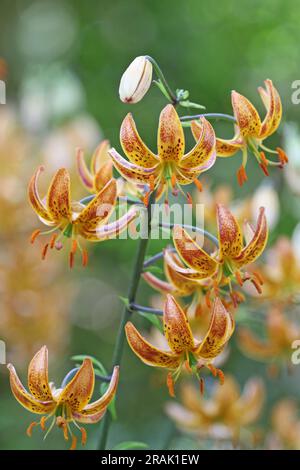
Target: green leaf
point(124, 300)
point(189, 104)
point(95, 362)
point(154, 319)
point(126, 445)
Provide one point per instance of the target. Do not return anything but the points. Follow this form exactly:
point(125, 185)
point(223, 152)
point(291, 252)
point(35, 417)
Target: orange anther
point(146, 198)
point(263, 158)
point(74, 246)
point(202, 385)
point(151, 183)
point(258, 277)
point(264, 169)
point(213, 369)
point(74, 442)
point(44, 251)
point(34, 235)
point(238, 278)
point(173, 180)
point(187, 366)
point(52, 240)
point(221, 376)
point(71, 259)
point(30, 427)
point(198, 185)
point(170, 385)
point(242, 175)
point(207, 299)
point(282, 156)
point(42, 423)
point(257, 286)
point(83, 436)
point(85, 258)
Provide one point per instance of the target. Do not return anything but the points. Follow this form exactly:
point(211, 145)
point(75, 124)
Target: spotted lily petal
point(58, 196)
point(111, 230)
point(99, 209)
point(132, 172)
point(100, 157)
point(78, 392)
point(134, 148)
point(257, 244)
point(176, 326)
point(24, 398)
point(183, 285)
point(38, 382)
point(159, 284)
point(220, 329)
point(272, 102)
point(246, 115)
point(204, 147)
point(100, 405)
point(192, 254)
point(103, 176)
point(35, 199)
point(230, 235)
point(88, 419)
point(170, 138)
point(83, 171)
point(148, 353)
point(228, 147)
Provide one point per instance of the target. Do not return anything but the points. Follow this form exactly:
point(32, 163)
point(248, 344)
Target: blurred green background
point(64, 60)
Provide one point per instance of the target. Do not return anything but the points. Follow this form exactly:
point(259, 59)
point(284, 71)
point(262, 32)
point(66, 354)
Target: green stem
point(119, 345)
point(163, 80)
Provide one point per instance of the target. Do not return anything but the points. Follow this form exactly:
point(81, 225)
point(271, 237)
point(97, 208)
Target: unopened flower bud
point(136, 80)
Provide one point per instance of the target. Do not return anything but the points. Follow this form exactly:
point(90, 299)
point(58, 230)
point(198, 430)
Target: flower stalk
point(133, 288)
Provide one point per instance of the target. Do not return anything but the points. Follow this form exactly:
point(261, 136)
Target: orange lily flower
point(224, 414)
point(66, 406)
point(184, 348)
point(170, 168)
point(225, 264)
point(73, 219)
point(251, 131)
point(276, 348)
point(101, 168)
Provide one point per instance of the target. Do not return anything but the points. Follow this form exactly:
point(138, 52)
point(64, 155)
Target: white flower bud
point(136, 80)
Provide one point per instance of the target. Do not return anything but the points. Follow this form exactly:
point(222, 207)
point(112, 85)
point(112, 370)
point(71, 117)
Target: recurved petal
point(170, 138)
point(111, 230)
point(35, 199)
point(249, 406)
point(227, 148)
point(257, 244)
point(229, 231)
point(272, 102)
point(192, 254)
point(254, 347)
point(38, 382)
point(220, 330)
point(100, 157)
point(101, 404)
point(176, 326)
point(78, 392)
point(88, 418)
point(204, 147)
point(24, 398)
point(246, 115)
point(183, 285)
point(148, 353)
point(159, 284)
point(58, 196)
point(186, 175)
point(132, 172)
point(99, 209)
point(134, 148)
point(103, 176)
point(83, 171)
